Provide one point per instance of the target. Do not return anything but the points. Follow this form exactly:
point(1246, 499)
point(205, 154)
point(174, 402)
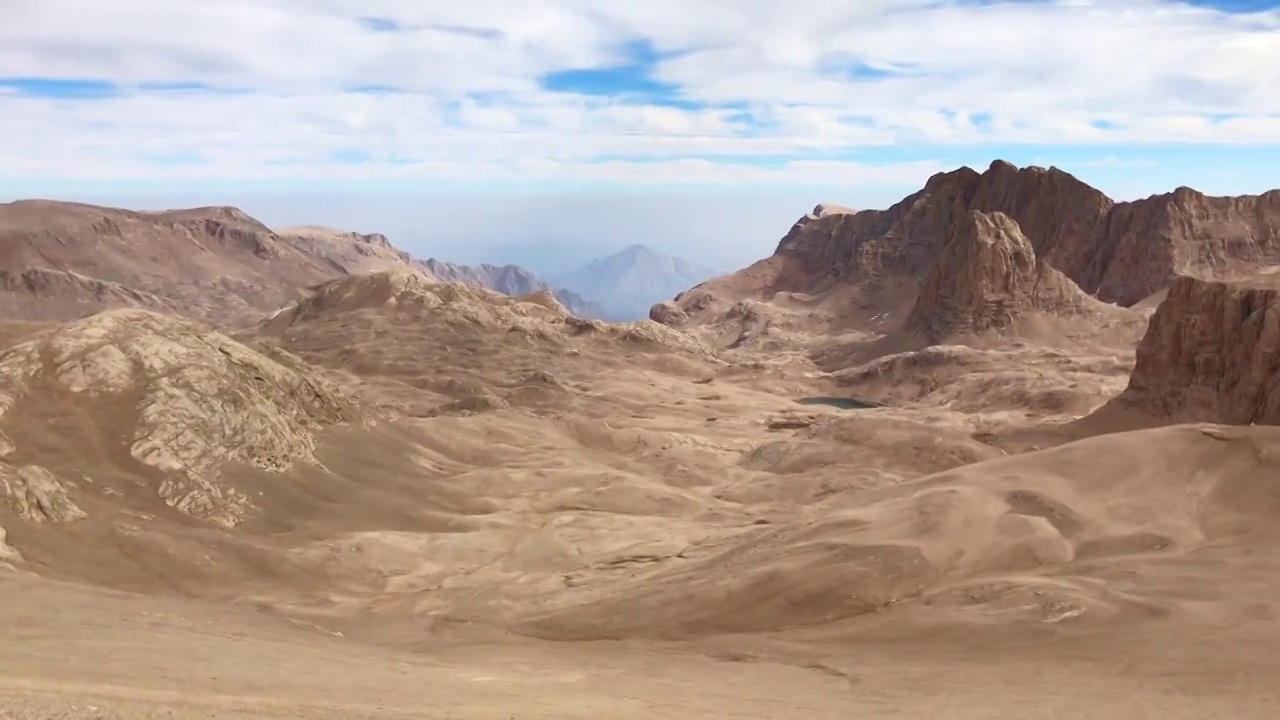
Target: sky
point(538, 131)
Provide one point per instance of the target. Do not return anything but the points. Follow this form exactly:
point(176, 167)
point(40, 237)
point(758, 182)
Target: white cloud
point(472, 108)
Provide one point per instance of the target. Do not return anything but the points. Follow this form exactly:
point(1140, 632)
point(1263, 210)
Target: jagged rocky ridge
point(1120, 252)
point(63, 261)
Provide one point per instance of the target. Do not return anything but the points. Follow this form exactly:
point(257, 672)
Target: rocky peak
point(1001, 166)
point(373, 239)
point(1059, 214)
point(1120, 252)
point(964, 176)
point(986, 277)
point(229, 226)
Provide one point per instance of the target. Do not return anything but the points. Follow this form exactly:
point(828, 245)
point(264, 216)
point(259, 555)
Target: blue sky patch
point(632, 78)
point(1237, 6)
point(95, 89)
point(173, 87)
point(350, 157)
point(379, 24)
point(863, 71)
point(60, 88)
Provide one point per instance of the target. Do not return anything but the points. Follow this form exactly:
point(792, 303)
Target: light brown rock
point(1211, 353)
point(37, 496)
point(213, 263)
point(40, 293)
point(669, 314)
point(349, 252)
point(986, 278)
point(194, 399)
point(8, 554)
point(408, 291)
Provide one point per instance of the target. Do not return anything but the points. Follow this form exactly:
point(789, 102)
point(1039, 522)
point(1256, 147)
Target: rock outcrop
point(510, 280)
point(8, 554)
point(1211, 354)
point(187, 399)
point(986, 278)
point(348, 252)
point(36, 495)
point(406, 291)
point(1118, 252)
point(42, 294)
point(669, 314)
point(824, 209)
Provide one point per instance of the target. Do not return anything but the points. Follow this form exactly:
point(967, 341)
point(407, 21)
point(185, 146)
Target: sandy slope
point(447, 503)
point(86, 653)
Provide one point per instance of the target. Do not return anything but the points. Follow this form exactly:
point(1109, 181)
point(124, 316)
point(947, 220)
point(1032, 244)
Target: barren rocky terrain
point(1004, 449)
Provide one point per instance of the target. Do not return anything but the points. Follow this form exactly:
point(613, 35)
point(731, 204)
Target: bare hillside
point(915, 464)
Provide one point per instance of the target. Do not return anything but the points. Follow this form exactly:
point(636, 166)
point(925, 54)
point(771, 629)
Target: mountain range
point(1000, 420)
point(627, 283)
point(63, 260)
point(510, 280)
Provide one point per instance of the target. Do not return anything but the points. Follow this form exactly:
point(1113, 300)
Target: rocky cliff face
point(1211, 354)
point(1120, 252)
point(987, 277)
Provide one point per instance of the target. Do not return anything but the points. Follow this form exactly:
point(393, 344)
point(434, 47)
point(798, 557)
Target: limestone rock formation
point(669, 314)
point(750, 323)
point(404, 290)
point(8, 554)
point(985, 278)
point(426, 349)
point(36, 495)
point(824, 209)
point(547, 299)
point(349, 252)
point(1211, 354)
point(1119, 252)
point(187, 398)
point(42, 294)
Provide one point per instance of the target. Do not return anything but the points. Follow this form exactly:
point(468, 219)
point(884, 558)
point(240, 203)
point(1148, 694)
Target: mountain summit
point(631, 280)
point(1118, 252)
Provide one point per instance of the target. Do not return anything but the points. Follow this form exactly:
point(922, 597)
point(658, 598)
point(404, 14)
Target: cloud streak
point(575, 91)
